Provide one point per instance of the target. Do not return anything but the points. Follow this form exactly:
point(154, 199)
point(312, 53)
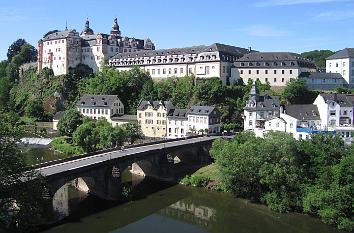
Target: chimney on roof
point(249, 49)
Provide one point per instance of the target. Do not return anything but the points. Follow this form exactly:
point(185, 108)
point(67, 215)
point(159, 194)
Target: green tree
point(35, 109)
point(318, 56)
point(18, 210)
point(70, 121)
point(183, 91)
point(5, 86)
point(15, 48)
point(3, 65)
point(133, 132)
point(296, 92)
point(86, 136)
point(210, 91)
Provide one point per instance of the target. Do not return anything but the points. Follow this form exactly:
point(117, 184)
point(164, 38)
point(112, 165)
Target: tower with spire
point(115, 29)
point(87, 30)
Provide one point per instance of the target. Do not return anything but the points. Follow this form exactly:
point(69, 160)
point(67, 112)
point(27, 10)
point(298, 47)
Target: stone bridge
point(100, 173)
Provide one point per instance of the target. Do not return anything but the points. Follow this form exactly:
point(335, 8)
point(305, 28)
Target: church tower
point(254, 93)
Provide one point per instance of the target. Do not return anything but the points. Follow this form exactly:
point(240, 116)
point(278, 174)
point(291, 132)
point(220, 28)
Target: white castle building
point(202, 61)
point(61, 50)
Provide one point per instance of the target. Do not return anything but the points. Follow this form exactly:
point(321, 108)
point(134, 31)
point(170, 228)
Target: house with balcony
point(259, 109)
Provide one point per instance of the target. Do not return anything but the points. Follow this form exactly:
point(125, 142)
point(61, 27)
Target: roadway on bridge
point(100, 158)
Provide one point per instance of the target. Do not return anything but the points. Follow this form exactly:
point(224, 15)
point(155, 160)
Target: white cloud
point(294, 2)
point(335, 15)
point(264, 31)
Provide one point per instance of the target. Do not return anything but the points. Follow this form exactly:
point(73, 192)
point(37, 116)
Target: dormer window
point(82, 103)
point(93, 103)
point(105, 103)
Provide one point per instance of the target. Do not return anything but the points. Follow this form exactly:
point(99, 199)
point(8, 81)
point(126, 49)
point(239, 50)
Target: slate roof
point(58, 115)
point(178, 113)
point(344, 53)
point(303, 111)
point(156, 104)
point(265, 102)
point(344, 100)
point(97, 100)
point(273, 59)
point(201, 110)
point(320, 75)
point(117, 117)
point(228, 49)
point(58, 35)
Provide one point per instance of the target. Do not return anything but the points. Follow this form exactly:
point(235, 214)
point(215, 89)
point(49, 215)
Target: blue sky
point(265, 25)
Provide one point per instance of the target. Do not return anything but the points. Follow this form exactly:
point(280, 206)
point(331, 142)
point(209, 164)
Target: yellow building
point(152, 117)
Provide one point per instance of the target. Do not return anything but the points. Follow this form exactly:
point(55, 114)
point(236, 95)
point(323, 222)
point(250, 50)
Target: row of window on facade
point(151, 114)
point(151, 122)
point(266, 72)
point(337, 64)
point(266, 64)
point(96, 57)
point(93, 111)
point(176, 131)
point(55, 42)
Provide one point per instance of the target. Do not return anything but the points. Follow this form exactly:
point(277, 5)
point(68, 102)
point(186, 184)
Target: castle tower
point(115, 29)
point(87, 30)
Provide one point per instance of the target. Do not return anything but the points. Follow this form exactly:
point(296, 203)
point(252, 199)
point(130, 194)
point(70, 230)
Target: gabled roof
point(273, 59)
point(187, 50)
point(156, 104)
point(344, 53)
point(97, 100)
point(264, 103)
point(202, 110)
point(303, 111)
point(178, 113)
point(344, 100)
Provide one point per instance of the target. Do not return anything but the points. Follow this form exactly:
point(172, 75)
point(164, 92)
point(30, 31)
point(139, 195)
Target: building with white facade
point(204, 119)
point(325, 81)
point(276, 68)
point(61, 50)
point(258, 109)
point(177, 123)
point(109, 107)
point(342, 62)
point(215, 60)
point(329, 114)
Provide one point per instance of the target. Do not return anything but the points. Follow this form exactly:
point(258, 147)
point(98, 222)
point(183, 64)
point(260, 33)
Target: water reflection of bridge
point(191, 213)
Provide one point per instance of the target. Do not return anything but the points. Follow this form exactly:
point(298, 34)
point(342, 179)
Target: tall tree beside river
point(21, 203)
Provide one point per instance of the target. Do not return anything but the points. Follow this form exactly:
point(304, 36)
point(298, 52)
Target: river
point(155, 207)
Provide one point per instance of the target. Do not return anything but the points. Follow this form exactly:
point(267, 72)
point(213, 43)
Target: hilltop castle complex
point(61, 50)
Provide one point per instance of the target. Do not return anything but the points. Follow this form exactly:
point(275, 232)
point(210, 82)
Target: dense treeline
point(318, 56)
point(82, 134)
point(313, 176)
point(21, 203)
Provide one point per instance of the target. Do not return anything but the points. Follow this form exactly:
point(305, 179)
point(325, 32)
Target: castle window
point(291, 71)
point(164, 71)
point(181, 70)
point(282, 80)
point(257, 71)
point(275, 71)
point(175, 71)
point(169, 71)
point(207, 70)
point(283, 72)
point(250, 72)
point(241, 72)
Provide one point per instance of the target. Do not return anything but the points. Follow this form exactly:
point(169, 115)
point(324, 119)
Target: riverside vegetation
point(313, 176)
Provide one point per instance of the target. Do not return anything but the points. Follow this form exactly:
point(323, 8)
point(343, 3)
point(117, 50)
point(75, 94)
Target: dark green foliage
point(314, 176)
point(195, 180)
point(126, 84)
point(35, 109)
point(94, 135)
point(5, 87)
point(18, 210)
point(69, 122)
point(318, 56)
point(210, 91)
point(133, 132)
point(296, 92)
point(3, 65)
